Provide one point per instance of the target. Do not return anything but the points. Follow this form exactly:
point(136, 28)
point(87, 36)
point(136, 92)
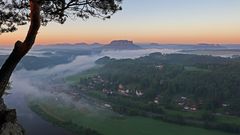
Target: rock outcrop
point(8, 121)
point(121, 45)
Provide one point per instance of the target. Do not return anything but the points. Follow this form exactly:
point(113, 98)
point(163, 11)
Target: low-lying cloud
point(38, 84)
point(84, 62)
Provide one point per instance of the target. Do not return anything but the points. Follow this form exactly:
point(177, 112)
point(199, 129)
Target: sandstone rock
point(8, 121)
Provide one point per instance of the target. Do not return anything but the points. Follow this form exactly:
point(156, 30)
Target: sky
point(148, 21)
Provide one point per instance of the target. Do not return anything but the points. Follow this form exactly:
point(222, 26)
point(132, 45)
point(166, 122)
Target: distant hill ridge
point(126, 45)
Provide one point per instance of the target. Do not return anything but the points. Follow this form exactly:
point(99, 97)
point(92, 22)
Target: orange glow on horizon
point(164, 35)
point(161, 40)
point(10, 39)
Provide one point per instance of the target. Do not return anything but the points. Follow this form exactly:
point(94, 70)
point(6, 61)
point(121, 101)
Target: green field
point(109, 123)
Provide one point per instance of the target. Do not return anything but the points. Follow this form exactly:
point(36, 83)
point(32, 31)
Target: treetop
point(17, 12)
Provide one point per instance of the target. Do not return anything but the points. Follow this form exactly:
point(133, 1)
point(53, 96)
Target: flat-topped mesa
point(121, 45)
point(121, 42)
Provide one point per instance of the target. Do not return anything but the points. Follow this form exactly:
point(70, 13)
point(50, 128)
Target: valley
point(115, 93)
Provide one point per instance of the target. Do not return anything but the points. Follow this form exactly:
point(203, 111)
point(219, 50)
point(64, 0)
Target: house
point(184, 98)
point(225, 105)
point(120, 87)
point(186, 108)
point(193, 109)
point(139, 93)
point(160, 67)
point(156, 101)
point(107, 106)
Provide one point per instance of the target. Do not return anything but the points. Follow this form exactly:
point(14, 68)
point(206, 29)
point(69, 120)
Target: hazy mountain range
point(130, 45)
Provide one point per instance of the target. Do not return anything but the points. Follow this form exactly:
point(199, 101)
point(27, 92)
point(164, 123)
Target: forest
point(201, 91)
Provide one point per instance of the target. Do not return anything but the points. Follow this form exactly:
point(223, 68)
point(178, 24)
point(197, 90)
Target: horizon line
point(139, 43)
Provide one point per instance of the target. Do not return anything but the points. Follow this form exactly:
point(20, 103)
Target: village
point(184, 103)
point(109, 88)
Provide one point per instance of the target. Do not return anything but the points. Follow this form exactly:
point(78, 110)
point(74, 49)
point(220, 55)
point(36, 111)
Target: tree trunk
point(21, 48)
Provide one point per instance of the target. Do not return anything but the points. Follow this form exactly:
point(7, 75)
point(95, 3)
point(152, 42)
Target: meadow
point(109, 123)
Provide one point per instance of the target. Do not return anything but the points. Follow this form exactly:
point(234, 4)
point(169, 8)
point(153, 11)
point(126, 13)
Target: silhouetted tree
point(40, 12)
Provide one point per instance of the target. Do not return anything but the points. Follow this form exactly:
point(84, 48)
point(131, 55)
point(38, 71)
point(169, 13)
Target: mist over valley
point(48, 78)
